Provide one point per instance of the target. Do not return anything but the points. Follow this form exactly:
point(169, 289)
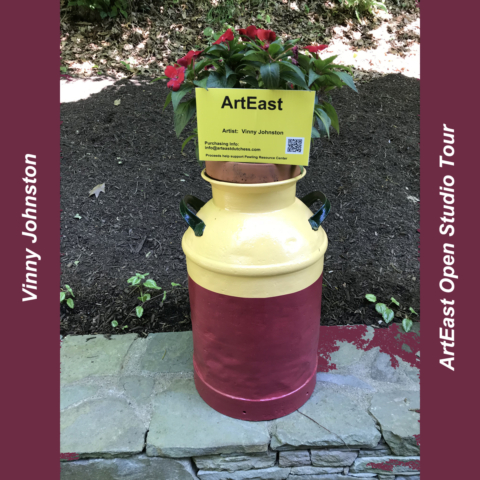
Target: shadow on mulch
point(370, 172)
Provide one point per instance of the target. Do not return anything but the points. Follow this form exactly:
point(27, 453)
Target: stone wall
point(130, 410)
point(311, 464)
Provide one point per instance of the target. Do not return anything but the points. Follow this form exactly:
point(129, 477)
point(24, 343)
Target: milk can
point(255, 260)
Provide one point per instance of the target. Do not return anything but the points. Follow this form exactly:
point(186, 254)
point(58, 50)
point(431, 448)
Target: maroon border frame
point(30, 354)
point(449, 404)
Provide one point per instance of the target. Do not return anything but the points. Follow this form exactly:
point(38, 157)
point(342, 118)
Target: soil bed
point(370, 173)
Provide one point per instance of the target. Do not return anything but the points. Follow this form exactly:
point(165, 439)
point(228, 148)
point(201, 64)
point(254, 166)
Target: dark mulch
point(368, 172)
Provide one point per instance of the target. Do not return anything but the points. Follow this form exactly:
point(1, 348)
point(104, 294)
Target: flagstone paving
point(130, 410)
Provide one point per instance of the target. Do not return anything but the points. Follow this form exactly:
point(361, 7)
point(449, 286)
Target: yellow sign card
point(254, 126)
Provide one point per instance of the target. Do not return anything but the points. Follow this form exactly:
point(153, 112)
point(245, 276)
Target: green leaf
point(145, 298)
point(62, 296)
point(164, 296)
point(131, 279)
point(215, 80)
point(183, 114)
point(324, 118)
point(177, 96)
point(370, 297)
point(251, 81)
point(380, 308)
point(114, 323)
point(139, 311)
point(413, 311)
point(330, 111)
point(168, 99)
point(69, 290)
point(304, 61)
point(175, 284)
point(270, 75)
point(201, 83)
point(274, 49)
point(231, 81)
point(256, 57)
point(191, 137)
point(208, 32)
point(124, 327)
point(228, 71)
point(387, 315)
point(394, 301)
point(312, 76)
point(70, 302)
point(407, 324)
point(136, 281)
point(315, 133)
point(124, 13)
point(347, 79)
point(293, 77)
point(151, 284)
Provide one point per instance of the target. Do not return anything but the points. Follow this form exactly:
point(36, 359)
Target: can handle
point(186, 204)
point(316, 219)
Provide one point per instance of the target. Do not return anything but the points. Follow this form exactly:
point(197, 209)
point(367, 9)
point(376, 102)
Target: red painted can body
point(255, 263)
point(255, 358)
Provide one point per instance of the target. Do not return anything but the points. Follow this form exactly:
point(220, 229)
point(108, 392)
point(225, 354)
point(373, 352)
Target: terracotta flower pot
point(237, 172)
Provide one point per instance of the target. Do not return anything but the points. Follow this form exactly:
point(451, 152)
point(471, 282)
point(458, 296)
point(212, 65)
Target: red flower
point(177, 76)
point(316, 48)
point(248, 33)
point(267, 36)
point(226, 37)
point(187, 59)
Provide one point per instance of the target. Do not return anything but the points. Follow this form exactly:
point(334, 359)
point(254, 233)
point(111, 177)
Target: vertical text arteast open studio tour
point(447, 283)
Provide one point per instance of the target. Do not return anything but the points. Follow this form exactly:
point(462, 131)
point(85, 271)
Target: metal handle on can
point(316, 220)
point(186, 204)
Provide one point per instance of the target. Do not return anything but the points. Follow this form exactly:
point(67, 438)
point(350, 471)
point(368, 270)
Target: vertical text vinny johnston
point(31, 258)
point(447, 283)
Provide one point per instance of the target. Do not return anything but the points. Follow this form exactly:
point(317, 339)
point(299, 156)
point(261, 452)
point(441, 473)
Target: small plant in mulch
point(142, 284)
point(256, 58)
point(149, 284)
point(66, 295)
point(388, 314)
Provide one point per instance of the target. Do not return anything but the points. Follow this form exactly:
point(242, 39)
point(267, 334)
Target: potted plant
point(255, 59)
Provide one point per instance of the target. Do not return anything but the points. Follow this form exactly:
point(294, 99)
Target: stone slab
point(333, 458)
point(183, 425)
point(332, 476)
point(347, 380)
point(274, 473)
point(138, 388)
point(410, 477)
point(93, 355)
point(395, 411)
point(295, 458)
point(72, 394)
point(232, 463)
point(375, 453)
point(382, 369)
point(136, 468)
point(327, 419)
point(170, 352)
point(311, 470)
point(387, 465)
point(101, 428)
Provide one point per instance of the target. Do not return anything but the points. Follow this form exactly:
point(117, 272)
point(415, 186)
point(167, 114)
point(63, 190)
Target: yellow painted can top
point(257, 241)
